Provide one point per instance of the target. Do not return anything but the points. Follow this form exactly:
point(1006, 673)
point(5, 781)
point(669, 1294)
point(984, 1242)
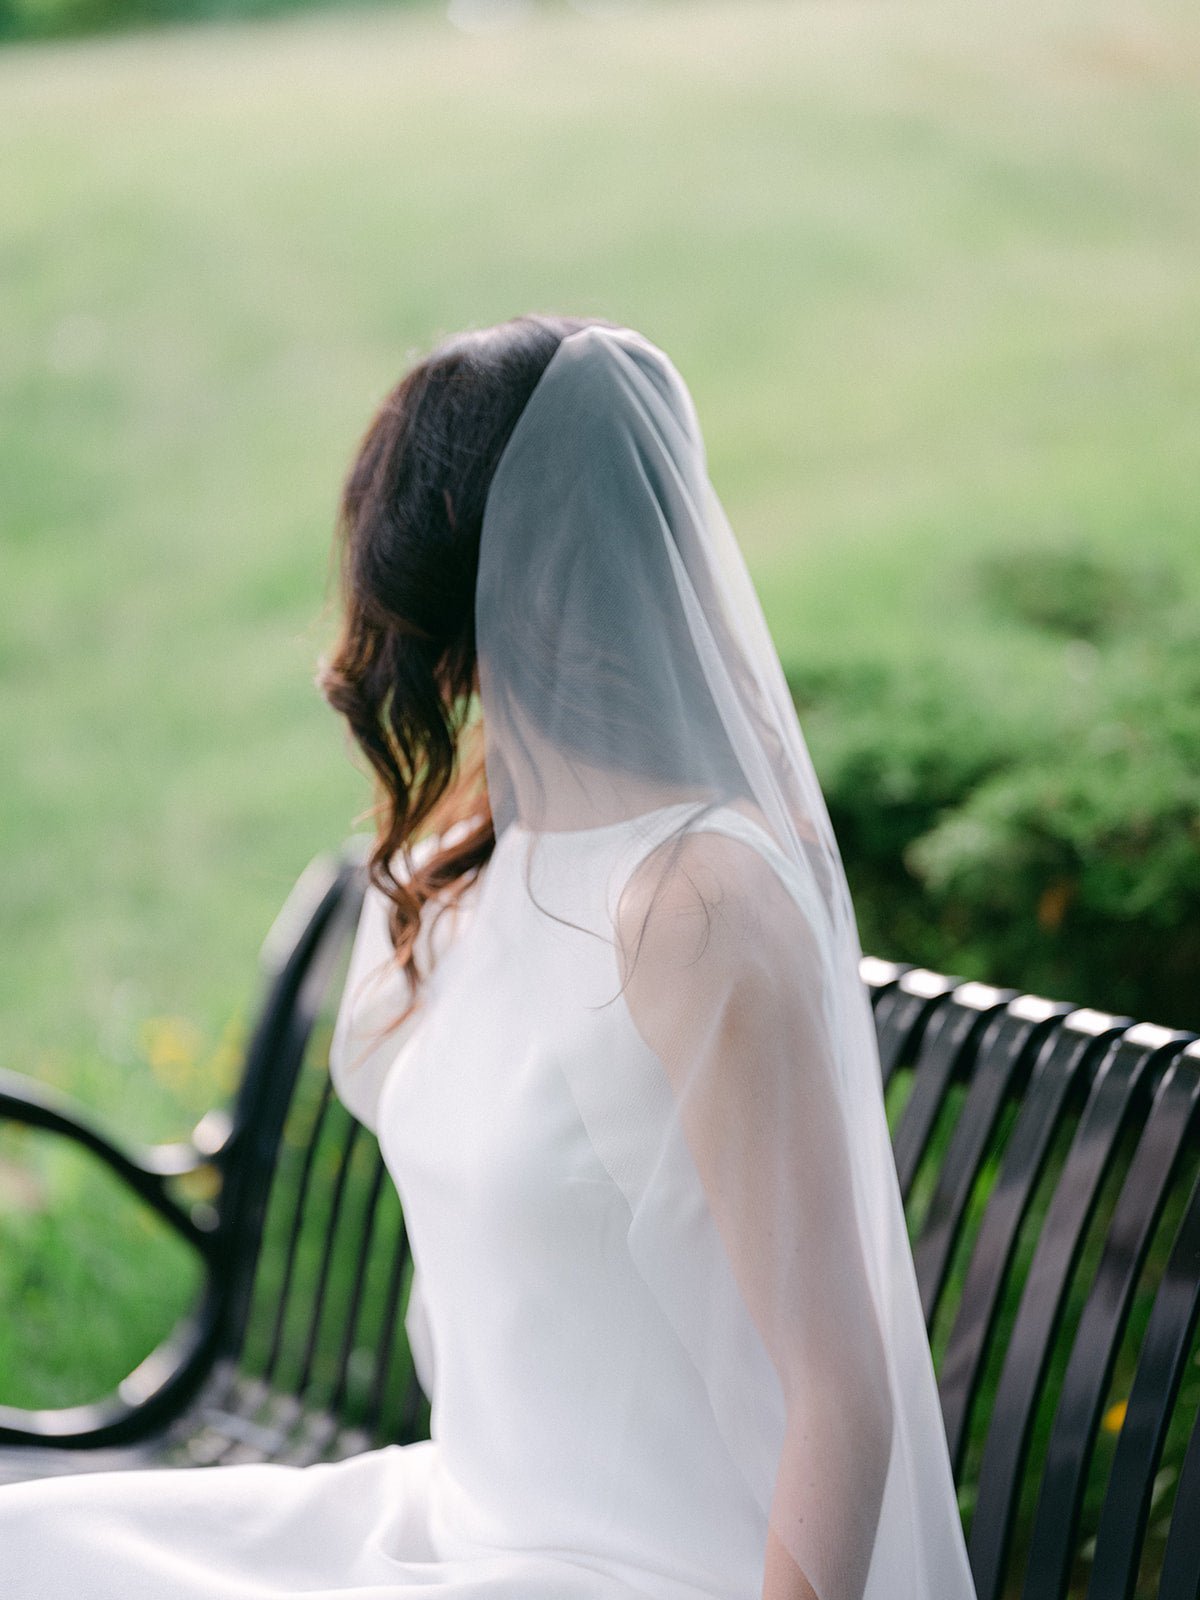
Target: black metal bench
point(1048, 1158)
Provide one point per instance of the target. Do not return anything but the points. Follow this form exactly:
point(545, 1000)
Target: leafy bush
point(1053, 847)
point(39, 19)
point(1071, 591)
point(42, 19)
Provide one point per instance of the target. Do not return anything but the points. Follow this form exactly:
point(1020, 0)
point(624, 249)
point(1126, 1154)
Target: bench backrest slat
point(1113, 1099)
point(946, 1055)
point(901, 1012)
point(305, 952)
point(1003, 1064)
point(337, 1180)
point(1061, 1064)
point(1170, 1126)
point(1180, 1579)
point(1162, 1361)
point(300, 1215)
point(350, 1332)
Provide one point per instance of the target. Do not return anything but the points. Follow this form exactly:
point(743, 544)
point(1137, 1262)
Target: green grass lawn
point(930, 274)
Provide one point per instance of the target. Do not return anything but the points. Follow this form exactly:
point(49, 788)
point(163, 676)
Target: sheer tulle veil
point(626, 669)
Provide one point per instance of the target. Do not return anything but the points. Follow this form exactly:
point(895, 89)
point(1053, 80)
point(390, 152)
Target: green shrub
point(1054, 848)
point(1069, 590)
point(42, 19)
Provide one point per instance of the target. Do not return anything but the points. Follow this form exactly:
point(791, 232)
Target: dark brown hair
point(403, 669)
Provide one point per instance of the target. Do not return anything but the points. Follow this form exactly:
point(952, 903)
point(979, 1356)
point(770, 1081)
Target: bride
point(604, 1014)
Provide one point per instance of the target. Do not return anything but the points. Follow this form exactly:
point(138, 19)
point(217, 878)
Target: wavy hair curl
point(403, 670)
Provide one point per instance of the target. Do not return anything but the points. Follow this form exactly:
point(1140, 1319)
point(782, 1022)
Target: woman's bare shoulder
point(711, 895)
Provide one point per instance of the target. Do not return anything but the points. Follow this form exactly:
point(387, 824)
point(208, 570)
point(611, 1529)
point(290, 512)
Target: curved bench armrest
point(152, 1393)
point(223, 1233)
point(145, 1170)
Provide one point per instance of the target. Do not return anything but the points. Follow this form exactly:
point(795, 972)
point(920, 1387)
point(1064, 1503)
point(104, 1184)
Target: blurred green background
point(931, 275)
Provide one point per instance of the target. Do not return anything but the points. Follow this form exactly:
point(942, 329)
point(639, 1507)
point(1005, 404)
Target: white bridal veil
point(626, 669)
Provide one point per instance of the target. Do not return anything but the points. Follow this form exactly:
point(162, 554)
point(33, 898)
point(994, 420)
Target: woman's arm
point(726, 984)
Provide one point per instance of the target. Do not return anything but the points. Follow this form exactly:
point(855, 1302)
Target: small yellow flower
point(223, 1066)
point(1115, 1416)
point(171, 1046)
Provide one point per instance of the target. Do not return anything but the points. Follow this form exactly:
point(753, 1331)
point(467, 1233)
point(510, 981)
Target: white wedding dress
point(575, 1455)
